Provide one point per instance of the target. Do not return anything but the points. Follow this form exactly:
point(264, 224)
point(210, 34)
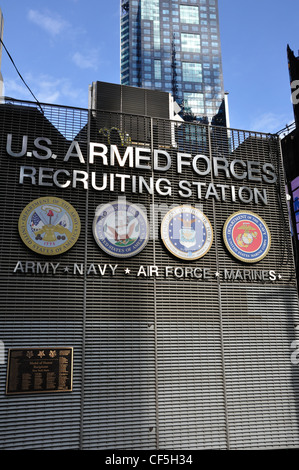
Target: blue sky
point(61, 46)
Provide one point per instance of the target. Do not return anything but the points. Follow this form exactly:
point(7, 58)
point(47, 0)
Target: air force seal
point(120, 229)
point(247, 236)
point(49, 226)
point(186, 232)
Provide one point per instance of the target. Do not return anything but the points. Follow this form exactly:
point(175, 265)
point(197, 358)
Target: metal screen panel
point(38, 309)
point(120, 396)
point(190, 373)
point(261, 381)
point(177, 361)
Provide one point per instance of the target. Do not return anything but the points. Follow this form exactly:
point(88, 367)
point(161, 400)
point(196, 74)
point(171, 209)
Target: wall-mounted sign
point(120, 229)
point(49, 226)
point(39, 370)
point(186, 232)
point(152, 161)
point(247, 236)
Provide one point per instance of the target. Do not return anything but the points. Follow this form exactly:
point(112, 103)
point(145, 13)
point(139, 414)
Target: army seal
point(49, 226)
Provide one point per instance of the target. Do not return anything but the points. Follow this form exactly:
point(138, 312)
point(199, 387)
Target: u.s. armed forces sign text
point(50, 226)
point(102, 175)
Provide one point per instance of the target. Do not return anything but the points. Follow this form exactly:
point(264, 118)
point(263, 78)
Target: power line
point(12, 61)
point(287, 128)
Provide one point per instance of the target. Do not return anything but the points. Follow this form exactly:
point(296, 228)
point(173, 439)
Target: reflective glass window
point(192, 72)
point(189, 14)
point(190, 42)
point(195, 101)
point(157, 69)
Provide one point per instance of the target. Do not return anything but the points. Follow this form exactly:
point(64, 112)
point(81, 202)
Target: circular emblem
point(49, 226)
point(120, 229)
point(247, 236)
point(186, 232)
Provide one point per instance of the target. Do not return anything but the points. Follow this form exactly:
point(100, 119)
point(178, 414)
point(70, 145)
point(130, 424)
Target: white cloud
point(52, 24)
point(15, 89)
point(270, 122)
point(59, 91)
point(86, 61)
point(47, 89)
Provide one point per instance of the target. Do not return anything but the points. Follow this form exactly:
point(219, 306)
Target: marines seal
point(247, 236)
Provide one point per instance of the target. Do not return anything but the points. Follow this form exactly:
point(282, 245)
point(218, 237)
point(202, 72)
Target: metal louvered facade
point(160, 362)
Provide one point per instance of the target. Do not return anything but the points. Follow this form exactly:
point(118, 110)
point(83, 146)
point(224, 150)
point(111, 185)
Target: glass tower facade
point(174, 46)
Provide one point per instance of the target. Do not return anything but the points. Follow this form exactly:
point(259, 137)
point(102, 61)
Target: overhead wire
point(13, 63)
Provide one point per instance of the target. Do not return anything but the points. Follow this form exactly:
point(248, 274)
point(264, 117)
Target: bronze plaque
point(39, 370)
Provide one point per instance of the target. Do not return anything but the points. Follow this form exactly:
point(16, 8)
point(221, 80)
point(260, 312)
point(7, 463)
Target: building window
point(150, 11)
point(157, 69)
point(195, 102)
point(192, 72)
point(190, 42)
point(189, 14)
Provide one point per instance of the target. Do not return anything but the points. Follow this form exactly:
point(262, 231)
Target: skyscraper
point(174, 46)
